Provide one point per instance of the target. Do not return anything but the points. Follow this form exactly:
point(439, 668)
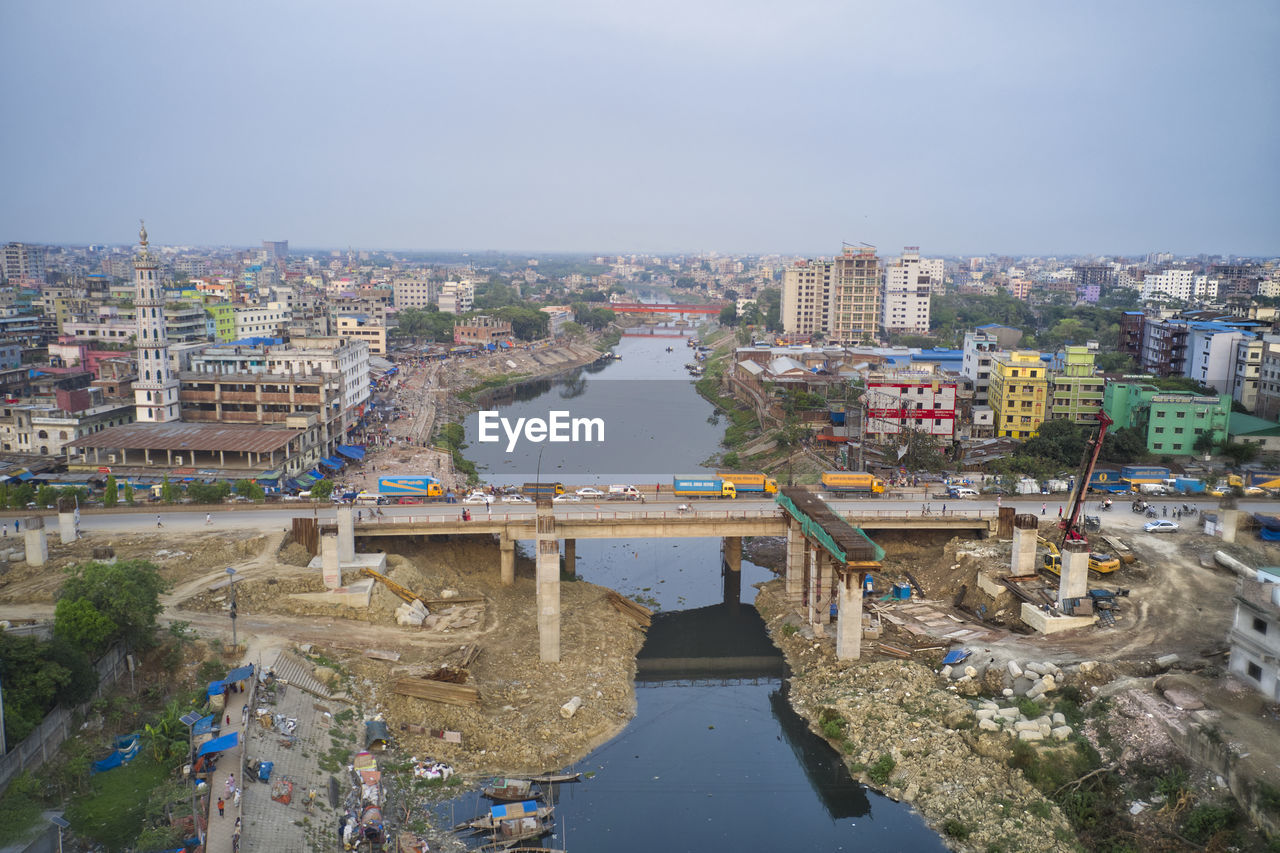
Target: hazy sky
point(649, 125)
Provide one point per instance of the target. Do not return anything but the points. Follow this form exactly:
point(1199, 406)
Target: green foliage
point(113, 809)
point(1239, 452)
point(429, 323)
point(1115, 362)
point(126, 592)
point(78, 621)
point(1207, 820)
point(593, 317)
point(729, 315)
point(832, 723)
point(209, 493)
point(46, 496)
point(955, 829)
point(21, 495)
point(1267, 797)
point(322, 490)
point(31, 684)
point(1029, 708)
point(168, 493)
point(1060, 442)
point(111, 495)
point(527, 324)
point(128, 493)
point(20, 806)
point(251, 490)
point(880, 772)
point(1124, 445)
point(731, 459)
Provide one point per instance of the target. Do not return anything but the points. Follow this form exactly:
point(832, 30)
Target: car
point(515, 499)
point(1160, 525)
point(589, 492)
point(478, 498)
point(567, 498)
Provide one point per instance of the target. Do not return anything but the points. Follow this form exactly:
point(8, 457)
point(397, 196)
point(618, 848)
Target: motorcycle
point(1151, 513)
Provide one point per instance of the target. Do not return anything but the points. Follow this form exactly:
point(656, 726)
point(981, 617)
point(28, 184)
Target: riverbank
point(899, 732)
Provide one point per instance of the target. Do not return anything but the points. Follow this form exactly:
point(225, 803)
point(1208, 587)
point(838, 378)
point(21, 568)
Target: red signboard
point(104, 470)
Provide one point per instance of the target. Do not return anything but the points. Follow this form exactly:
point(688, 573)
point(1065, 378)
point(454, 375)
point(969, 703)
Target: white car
point(1162, 525)
point(589, 492)
point(567, 498)
point(515, 499)
point(478, 498)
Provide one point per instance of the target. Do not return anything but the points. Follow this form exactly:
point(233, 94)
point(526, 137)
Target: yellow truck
point(852, 482)
point(747, 482)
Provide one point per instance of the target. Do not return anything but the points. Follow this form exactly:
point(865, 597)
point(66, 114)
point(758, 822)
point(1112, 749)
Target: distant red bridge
point(648, 308)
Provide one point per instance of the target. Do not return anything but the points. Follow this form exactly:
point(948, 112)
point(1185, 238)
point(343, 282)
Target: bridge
point(661, 308)
point(828, 554)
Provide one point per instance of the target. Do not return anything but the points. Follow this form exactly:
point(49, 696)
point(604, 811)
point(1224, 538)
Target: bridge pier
point(67, 526)
point(507, 550)
point(795, 578)
point(849, 615)
point(36, 541)
point(1025, 535)
point(330, 565)
point(733, 553)
point(1074, 581)
point(548, 583)
point(570, 557)
point(346, 535)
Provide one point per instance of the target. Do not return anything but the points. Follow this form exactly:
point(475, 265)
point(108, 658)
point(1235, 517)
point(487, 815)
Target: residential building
point(855, 297)
point(456, 297)
point(155, 393)
point(558, 316)
point(482, 330)
point(261, 321)
point(1018, 393)
point(413, 293)
point(980, 346)
point(1247, 429)
point(908, 286)
point(1211, 354)
point(806, 298)
point(904, 401)
point(223, 317)
point(185, 321)
point(1247, 367)
point(1170, 284)
point(1077, 389)
point(1131, 324)
point(1164, 347)
point(20, 262)
point(276, 251)
point(1173, 420)
point(1255, 634)
point(362, 327)
point(1267, 405)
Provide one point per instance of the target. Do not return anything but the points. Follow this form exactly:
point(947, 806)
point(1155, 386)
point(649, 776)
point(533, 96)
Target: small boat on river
point(511, 790)
point(507, 812)
point(555, 778)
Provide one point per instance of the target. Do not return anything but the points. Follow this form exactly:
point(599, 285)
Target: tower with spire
point(155, 393)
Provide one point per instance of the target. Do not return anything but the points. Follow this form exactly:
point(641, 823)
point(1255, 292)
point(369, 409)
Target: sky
point(742, 126)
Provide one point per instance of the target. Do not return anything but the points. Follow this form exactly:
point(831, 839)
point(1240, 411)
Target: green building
point(1077, 393)
point(224, 321)
point(1173, 420)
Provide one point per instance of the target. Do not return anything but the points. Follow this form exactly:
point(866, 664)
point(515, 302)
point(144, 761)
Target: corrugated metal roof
point(188, 436)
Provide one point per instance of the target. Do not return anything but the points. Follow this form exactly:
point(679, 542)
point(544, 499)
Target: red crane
point(1070, 524)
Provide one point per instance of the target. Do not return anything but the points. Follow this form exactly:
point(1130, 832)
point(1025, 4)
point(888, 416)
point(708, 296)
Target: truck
point(1136, 474)
point(748, 481)
point(1188, 485)
point(852, 481)
point(1107, 481)
point(1027, 486)
point(703, 486)
point(419, 485)
point(542, 490)
point(1152, 489)
point(1263, 479)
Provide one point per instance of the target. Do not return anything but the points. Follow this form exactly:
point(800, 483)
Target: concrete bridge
point(828, 555)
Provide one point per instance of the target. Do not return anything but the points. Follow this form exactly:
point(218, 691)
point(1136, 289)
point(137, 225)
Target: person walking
point(231, 784)
point(222, 804)
point(208, 518)
point(1059, 510)
point(1165, 510)
point(1044, 508)
point(158, 524)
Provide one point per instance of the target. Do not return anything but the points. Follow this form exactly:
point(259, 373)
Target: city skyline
point(1101, 129)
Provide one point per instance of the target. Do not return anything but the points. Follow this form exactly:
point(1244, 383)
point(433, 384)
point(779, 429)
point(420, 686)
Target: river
point(715, 758)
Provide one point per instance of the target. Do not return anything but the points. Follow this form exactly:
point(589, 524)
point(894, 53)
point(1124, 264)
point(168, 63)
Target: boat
point(511, 790)
point(553, 778)
point(506, 812)
point(522, 828)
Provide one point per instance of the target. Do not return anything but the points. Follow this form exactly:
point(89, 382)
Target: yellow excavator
point(1101, 563)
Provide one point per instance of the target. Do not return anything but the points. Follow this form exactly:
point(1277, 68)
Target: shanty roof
point(188, 436)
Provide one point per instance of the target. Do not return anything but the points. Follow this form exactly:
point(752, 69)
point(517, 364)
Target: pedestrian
point(16, 522)
point(1059, 510)
point(1165, 510)
point(244, 714)
point(231, 784)
point(999, 502)
point(228, 719)
point(235, 798)
point(208, 518)
point(1044, 507)
point(158, 524)
point(222, 804)
point(944, 509)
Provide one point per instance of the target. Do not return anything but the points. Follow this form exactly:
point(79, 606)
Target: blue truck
point(1136, 474)
point(418, 486)
point(704, 486)
point(1107, 481)
point(1188, 485)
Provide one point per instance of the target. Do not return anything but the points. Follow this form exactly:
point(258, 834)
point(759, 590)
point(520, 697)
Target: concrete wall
point(1046, 623)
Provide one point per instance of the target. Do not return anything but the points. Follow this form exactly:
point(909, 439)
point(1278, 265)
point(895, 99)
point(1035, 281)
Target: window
point(1181, 414)
point(1259, 625)
point(1253, 671)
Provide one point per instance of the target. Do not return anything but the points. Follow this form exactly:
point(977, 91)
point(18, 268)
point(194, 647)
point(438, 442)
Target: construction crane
point(1070, 523)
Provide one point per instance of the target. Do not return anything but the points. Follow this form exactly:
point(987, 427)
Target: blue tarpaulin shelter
point(215, 687)
point(333, 464)
point(126, 749)
point(219, 744)
point(240, 673)
point(203, 726)
point(354, 452)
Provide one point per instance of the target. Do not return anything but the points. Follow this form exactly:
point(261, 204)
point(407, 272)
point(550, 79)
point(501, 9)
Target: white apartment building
point(1248, 368)
point(979, 350)
point(456, 297)
point(1170, 284)
point(412, 293)
point(1211, 355)
point(1255, 635)
point(20, 261)
point(262, 321)
point(908, 284)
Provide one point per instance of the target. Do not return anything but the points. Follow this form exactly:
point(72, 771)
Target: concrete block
point(1061, 732)
point(984, 713)
point(1059, 720)
point(1037, 690)
point(1048, 682)
point(988, 726)
point(1046, 730)
point(1030, 735)
point(989, 705)
point(1022, 685)
point(1008, 713)
point(1014, 669)
point(971, 672)
point(1007, 692)
point(1026, 726)
point(1166, 661)
point(945, 672)
point(1033, 669)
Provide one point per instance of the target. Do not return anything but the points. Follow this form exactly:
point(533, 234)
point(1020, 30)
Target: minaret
point(155, 393)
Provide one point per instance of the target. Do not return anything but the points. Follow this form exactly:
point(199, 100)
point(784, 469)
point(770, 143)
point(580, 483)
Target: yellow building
point(362, 327)
point(1018, 393)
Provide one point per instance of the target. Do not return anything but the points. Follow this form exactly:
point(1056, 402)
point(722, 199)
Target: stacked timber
point(638, 613)
point(437, 691)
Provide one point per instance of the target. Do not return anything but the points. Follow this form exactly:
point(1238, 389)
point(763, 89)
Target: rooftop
point(187, 436)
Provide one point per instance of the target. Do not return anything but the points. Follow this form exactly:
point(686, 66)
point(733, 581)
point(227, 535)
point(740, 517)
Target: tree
point(1239, 452)
point(729, 315)
point(251, 490)
point(208, 493)
point(126, 592)
point(128, 493)
point(31, 682)
point(21, 496)
point(1061, 442)
point(1115, 362)
point(1203, 443)
point(46, 496)
point(80, 623)
point(527, 324)
point(111, 494)
point(918, 451)
point(322, 490)
point(168, 493)
point(1124, 445)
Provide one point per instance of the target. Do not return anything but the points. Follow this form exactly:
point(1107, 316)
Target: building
point(261, 321)
point(1255, 634)
point(413, 293)
point(1267, 405)
point(277, 251)
point(1211, 354)
point(44, 426)
point(558, 316)
point(904, 401)
point(1173, 420)
point(806, 298)
point(1164, 347)
point(980, 346)
point(1018, 394)
point(855, 297)
point(1131, 324)
point(1247, 368)
point(20, 262)
point(1077, 390)
point(223, 317)
point(482, 330)
point(155, 393)
point(908, 286)
point(1171, 284)
point(362, 327)
point(456, 297)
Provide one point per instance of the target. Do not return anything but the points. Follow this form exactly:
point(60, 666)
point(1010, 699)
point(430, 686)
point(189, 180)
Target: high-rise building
point(1019, 388)
point(806, 298)
point(20, 261)
point(277, 250)
point(155, 393)
point(908, 283)
point(855, 297)
point(1077, 390)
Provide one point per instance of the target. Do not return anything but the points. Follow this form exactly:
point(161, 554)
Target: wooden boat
point(553, 778)
point(510, 811)
point(511, 790)
point(509, 832)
